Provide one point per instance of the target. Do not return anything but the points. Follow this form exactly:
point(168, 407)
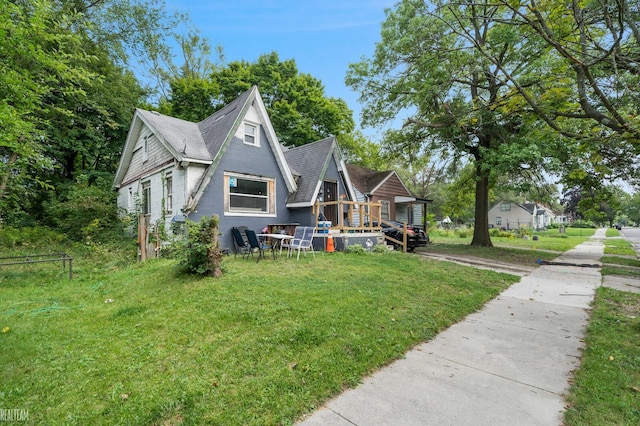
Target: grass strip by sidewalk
point(606, 389)
point(507, 255)
point(619, 247)
point(264, 344)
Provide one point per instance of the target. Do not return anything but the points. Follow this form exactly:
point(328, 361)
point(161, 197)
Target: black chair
point(255, 244)
point(240, 244)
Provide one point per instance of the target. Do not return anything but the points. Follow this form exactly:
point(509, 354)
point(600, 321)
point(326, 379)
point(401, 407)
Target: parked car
point(416, 237)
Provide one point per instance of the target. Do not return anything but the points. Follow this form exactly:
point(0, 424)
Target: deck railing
point(357, 216)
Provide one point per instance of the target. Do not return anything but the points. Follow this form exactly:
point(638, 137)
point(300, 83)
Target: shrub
point(200, 252)
point(39, 237)
point(355, 248)
point(464, 233)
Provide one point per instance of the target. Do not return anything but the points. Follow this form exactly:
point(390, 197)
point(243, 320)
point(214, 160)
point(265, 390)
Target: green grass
point(264, 344)
point(619, 246)
point(606, 389)
point(624, 261)
point(547, 240)
point(500, 254)
point(612, 232)
point(620, 270)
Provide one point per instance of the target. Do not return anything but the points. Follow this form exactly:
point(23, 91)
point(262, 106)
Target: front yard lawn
point(551, 239)
point(264, 344)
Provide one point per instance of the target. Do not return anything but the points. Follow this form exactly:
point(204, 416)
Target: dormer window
point(251, 135)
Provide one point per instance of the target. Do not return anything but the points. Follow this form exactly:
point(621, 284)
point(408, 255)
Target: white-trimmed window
point(498, 221)
point(505, 206)
point(251, 134)
point(168, 200)
point(249, 195)
point(146, 197)
point(385, 210)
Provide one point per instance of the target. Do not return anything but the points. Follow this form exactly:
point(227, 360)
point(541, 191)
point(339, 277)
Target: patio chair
point(241, 246)
point(305, 243)
point(257, 245)
point(297, 237)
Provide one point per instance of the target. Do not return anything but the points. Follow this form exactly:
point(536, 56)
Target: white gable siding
point(510, 219)
point(141, 162)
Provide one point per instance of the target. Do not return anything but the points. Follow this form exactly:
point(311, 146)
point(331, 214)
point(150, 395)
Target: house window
point(146, 198)
point(251, 134)
point(498, 221)
point(130, 200)
point(145, 148)
point(385, 210)
point(249, 194)
point(168, 184)
point(505, 207)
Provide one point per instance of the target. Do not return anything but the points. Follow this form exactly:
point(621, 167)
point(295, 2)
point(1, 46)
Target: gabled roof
point(218, 130)
point(204, 142)
point(368, 181)
point(181, 138)
point(309, 163)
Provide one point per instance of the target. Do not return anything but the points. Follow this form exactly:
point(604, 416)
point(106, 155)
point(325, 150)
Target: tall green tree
point(296, 102)
point(192, 94)
point(40, 58)
point(425, 67)
point(67, 92)
point(588, 87)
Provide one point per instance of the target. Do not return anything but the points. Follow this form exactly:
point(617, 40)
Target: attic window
point(251, 134)
point(145, 148)
point(505, 206)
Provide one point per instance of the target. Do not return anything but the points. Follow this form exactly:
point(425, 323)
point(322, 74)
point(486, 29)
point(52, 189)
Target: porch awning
point(400, 199)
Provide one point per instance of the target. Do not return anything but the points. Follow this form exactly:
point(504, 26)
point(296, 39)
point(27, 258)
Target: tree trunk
point(481, 236)
point(214, 253)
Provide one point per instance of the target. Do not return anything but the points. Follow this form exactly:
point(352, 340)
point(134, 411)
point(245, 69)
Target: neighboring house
point(230, 164)
point(508, 214)
point(397, 202)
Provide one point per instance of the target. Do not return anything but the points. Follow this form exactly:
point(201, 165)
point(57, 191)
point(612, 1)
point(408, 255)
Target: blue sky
point(323, 37)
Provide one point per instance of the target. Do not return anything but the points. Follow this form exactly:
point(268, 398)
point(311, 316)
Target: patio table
point(279, 239)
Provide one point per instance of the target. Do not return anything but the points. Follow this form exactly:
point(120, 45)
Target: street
point(632, 235)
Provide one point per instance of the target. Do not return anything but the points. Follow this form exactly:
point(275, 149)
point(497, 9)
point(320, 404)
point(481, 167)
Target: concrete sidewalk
point(508, 364)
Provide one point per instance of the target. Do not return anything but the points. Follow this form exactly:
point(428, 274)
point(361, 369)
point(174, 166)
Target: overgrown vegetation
point(200, 252)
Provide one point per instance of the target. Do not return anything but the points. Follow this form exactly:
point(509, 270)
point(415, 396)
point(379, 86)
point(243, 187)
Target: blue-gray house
point(230, 164)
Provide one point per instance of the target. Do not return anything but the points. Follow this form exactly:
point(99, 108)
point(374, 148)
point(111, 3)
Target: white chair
point(304, 243)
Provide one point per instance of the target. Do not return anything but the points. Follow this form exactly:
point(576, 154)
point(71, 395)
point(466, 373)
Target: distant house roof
point(367, 180)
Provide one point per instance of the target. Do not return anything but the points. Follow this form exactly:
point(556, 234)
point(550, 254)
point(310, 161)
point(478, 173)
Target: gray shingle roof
point(216, 127)
point(183, 136)
point(199, 141)
point(309, 162)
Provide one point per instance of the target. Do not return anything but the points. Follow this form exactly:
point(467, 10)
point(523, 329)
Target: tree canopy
point(458, 102)
point(66, 92)
point(296, 102)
